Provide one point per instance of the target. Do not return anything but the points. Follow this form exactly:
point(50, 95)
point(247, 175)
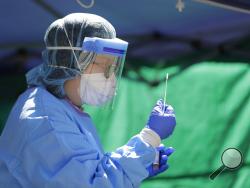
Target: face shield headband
point(111, 47)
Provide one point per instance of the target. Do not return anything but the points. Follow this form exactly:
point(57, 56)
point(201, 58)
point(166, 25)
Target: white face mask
point(95, 89)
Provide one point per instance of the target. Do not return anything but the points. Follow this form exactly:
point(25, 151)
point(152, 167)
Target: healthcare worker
point(48, 141)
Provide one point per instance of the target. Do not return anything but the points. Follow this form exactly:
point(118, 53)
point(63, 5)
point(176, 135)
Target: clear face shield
point(100, 76)
point(100, 79)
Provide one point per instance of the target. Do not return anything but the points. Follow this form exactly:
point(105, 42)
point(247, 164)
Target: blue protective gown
point(47, 142)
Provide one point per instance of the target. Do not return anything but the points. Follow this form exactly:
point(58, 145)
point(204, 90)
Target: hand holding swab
point(157, 156)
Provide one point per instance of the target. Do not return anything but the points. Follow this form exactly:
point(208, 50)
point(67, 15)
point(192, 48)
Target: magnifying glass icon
point(231, 159)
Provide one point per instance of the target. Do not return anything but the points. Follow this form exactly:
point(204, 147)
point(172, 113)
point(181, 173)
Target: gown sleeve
point(58, 155)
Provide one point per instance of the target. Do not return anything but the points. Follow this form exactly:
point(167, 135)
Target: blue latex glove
point(163, 158)
point(162, 119)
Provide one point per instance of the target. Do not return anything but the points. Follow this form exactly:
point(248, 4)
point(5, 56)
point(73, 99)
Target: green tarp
point(212, 105)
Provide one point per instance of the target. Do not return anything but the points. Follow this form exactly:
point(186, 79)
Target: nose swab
point(166, 87)
point(157, 156)
point(165, 93)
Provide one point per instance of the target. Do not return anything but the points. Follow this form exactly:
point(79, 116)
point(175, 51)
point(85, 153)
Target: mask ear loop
point(86, 78)
point(71, 46)
point(78, 65)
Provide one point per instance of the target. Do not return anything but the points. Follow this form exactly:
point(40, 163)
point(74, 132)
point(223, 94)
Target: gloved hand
point(164, 153)
point(162, 119)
